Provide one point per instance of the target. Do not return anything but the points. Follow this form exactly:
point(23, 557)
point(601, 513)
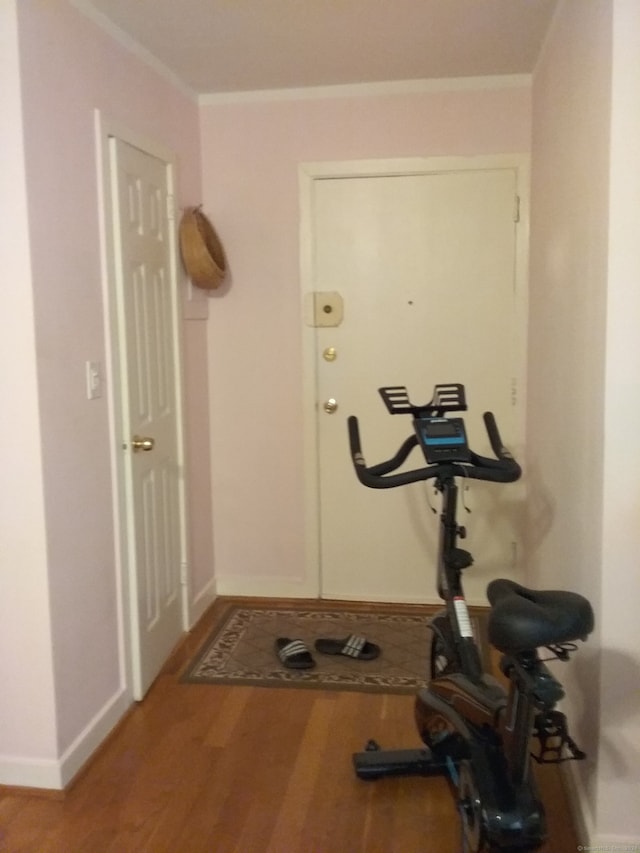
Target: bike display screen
point(443, 439)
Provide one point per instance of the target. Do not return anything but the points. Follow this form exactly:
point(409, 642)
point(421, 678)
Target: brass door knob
point(330, 405)
point(139, 442)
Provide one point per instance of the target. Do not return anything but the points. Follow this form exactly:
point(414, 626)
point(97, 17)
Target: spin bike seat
point(523, 619)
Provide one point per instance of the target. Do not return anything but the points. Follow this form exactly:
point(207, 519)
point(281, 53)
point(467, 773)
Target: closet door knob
point(139, 442)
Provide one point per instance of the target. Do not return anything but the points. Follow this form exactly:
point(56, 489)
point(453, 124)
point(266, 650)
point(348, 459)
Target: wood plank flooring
point(249, 770)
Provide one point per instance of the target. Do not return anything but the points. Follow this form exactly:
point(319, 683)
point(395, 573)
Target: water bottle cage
point(550, 728)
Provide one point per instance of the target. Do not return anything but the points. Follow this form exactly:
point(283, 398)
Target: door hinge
point(171, 208)
point(514, 391)
point(516, 209)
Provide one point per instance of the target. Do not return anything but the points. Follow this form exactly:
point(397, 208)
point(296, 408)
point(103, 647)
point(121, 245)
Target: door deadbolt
point(139, 442)
point(330, 405)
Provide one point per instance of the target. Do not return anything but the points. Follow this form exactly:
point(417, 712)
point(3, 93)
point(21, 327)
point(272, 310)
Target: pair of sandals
point(294, 654)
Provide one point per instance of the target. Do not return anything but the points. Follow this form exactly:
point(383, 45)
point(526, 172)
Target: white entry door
point(150, 411)
point(425, 267)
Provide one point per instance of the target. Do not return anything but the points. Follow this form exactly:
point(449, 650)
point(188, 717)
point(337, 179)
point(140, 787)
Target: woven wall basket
point(201, 250)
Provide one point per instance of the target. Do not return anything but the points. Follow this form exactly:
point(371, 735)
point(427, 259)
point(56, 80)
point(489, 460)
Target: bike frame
point(450, 581)
point(475, 730)
point(474, 696)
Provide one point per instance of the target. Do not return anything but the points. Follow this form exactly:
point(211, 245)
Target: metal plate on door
point(324, 308)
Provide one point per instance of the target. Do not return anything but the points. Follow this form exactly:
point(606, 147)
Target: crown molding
point(134, 47)
point(358, 90)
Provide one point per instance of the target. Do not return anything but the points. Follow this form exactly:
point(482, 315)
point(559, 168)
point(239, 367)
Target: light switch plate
point(93, 373)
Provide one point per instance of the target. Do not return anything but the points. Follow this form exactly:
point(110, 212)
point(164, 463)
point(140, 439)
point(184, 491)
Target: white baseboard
point(618, 843)
point(56, 774)
point(81, 750)
point(270, 587)
point(17, 772)
point(274, 587)
point(579, 804)
point(588, 836)
point(201, 603)
point(425, 599)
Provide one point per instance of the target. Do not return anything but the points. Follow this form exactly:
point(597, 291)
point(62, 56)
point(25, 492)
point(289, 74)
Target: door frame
point(107, 129)
point(308, 174)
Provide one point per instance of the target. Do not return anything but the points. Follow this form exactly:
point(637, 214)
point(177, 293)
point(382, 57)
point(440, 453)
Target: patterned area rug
point(242, 649)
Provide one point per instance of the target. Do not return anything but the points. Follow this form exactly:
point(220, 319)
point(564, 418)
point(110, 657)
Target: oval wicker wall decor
point(201, 250)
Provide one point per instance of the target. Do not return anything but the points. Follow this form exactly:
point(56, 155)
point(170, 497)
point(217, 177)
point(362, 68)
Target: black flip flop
point(294, 654)
point(355, 647)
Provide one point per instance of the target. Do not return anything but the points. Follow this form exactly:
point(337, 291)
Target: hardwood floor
point(250, 770)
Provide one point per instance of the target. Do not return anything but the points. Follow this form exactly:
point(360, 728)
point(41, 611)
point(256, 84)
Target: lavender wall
point(27, 728)
point(251, 154)
point(68, 68)
point(584, 316)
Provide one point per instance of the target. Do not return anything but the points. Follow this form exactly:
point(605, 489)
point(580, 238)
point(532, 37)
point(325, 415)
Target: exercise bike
point(472, 729)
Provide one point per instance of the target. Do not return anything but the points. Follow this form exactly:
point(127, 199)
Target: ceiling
point(229, 46)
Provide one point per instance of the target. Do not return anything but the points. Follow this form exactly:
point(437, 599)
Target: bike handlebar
point(502, 469)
